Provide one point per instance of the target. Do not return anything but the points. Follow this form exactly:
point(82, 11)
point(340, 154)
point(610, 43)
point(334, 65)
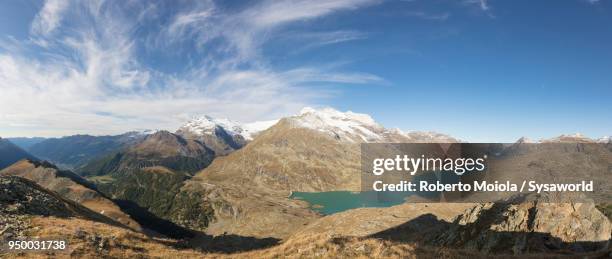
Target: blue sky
point(477, 70)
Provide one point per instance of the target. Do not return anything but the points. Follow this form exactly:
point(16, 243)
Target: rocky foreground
point(523, 228)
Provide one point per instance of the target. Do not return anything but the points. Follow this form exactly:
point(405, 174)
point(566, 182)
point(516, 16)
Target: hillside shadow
point(428, 230)
point(229, 244)
point(190, 238)
point(152, 222)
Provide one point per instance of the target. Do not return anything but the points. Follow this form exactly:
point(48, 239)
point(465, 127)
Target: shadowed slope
point(70, 186)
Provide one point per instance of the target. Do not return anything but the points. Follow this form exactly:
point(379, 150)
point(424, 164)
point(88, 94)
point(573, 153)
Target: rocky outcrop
point(525, 224)
point(21, 198)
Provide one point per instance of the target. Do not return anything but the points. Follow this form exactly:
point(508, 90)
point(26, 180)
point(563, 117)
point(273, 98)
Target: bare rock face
point(525, 224)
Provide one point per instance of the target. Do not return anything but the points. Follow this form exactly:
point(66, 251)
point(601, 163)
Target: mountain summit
point(208, 125)
point(354, 127)
point(222, 135)
point(358, 127)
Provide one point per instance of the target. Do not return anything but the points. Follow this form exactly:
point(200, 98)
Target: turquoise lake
point(337, 201)
point(328, 203)
point(333, 202)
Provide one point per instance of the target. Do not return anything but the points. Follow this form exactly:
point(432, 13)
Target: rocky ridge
point(22, 198)
point(528, 224)
point(71, 187)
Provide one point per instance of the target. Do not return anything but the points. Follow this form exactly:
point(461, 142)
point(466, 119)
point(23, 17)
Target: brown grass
point(123, 243)
point(120, 243)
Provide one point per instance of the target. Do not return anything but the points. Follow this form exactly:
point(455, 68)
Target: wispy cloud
point(82, 70)
point(482, 4)
point(49, 17)
point(245, 31)
point(273, 13)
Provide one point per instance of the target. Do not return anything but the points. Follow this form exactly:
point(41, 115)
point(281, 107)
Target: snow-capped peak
point(207, 125)
point(347, 125)
point(331, 115)
point(568, 137)
point(575, 135)
point(605, 139)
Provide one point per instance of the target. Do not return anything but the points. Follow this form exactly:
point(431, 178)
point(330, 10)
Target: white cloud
point(274, 13)
point(245, 31)
point(81, 71)
point(49, 17)
point(482, 4)
point(309, 40)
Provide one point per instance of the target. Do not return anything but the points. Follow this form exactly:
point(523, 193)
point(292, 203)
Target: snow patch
point(347, 125)
point(207, 125)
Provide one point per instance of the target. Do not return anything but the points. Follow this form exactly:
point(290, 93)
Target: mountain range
point(217, 180)
point(72, 152)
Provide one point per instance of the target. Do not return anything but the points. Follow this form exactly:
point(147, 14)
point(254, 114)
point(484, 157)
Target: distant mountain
point(11, 153)
point(70, 186)
point(150, 174)
point(222, 135)
point(578, 138)
point(356, 127)
point(161, 149)
point(75, 151)
point(26, 143)
point(568, 138)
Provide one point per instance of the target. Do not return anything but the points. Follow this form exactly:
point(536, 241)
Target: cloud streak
point(49, 17)
point(482, 4)
point(83, 69)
